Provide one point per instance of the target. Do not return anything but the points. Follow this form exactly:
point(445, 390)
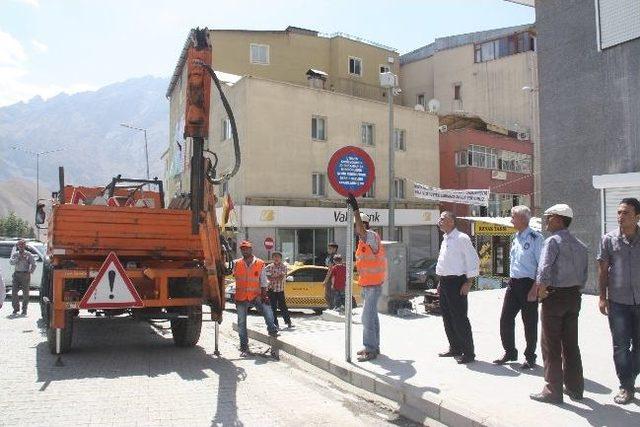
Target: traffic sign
point(111, 288)
point(351, 170)
point(269, 243)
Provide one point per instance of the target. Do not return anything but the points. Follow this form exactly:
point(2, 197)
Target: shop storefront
point(303, 233)
point(492, 238)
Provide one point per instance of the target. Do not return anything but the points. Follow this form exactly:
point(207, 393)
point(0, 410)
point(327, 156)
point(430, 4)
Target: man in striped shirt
point(276, 274)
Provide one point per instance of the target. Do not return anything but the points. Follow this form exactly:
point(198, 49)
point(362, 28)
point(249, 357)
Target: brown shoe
point(545, 398)
point(623, 397)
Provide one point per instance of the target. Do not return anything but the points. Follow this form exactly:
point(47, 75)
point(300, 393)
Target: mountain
point(19, 195)
point(87, 127)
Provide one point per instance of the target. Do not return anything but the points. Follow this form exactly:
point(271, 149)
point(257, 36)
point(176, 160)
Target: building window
point(226, 129)
point(462, 158)
point(367, 133)
point(319, 128)
point(355, 66)
point(398, 188)
point(504, 46)
point(421, 100)
point(259, 54)
point(318, 184)
point(482, 157)
point(399, 139)
point(371, 194)
point(617, 22)
point(514, 162)
point(384, 69)
point(457, 89)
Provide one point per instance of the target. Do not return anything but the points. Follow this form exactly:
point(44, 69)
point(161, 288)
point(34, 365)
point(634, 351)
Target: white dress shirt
point(457, 256)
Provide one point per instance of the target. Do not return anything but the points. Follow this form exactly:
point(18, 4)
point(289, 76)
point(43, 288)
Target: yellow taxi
point(304, 288)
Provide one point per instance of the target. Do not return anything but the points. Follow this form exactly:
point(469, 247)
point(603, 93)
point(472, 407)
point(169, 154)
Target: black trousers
point(515, 300)
point(454, 315)
point(277, 301)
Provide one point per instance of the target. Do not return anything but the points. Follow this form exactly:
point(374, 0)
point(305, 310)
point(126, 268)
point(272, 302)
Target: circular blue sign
point(351, 170)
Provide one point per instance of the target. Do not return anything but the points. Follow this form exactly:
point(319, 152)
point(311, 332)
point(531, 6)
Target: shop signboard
point(487, 229)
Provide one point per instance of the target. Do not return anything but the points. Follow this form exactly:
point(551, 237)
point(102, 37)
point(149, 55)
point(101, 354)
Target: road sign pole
point(348, 288)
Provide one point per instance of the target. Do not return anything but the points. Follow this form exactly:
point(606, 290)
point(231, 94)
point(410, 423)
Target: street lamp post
point(387, 81)
point(37, 154)
point(146, 147)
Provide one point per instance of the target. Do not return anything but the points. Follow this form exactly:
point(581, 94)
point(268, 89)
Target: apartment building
point(489, 74)
point(342, 63)
point(289, 125)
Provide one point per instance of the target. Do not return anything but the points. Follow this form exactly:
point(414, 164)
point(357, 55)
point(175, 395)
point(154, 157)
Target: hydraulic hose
point(234, 130)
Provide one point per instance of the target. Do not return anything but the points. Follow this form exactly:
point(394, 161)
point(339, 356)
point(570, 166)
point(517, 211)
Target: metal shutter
point(619, 21)
point(612, 197)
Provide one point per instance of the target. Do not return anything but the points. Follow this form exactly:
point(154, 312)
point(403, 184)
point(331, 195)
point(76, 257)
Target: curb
point(423, 409)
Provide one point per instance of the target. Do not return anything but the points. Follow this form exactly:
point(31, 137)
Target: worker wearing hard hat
point(562, 272)
point(371, 266)
point(251, 290)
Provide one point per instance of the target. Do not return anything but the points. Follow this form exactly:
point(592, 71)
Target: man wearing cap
point(276, 274)
point(332, 249)
point(458, 264)
point(371, 265)
point(526, 247)
point(25, 264)
point(251, 290)
point(562, 273)
point(619, 279)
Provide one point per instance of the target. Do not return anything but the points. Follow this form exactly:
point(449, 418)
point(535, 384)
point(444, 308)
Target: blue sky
point(49, 46)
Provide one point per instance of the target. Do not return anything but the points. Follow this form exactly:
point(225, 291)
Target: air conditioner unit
point(443, 128)
point(523, 136)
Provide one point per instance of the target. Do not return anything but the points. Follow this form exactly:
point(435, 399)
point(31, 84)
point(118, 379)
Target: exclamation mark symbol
point(112, 279)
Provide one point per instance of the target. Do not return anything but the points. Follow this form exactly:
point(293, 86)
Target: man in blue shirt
point(525, 255)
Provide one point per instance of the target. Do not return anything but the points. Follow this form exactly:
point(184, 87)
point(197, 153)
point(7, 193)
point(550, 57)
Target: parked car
point(423, 273)
point(35, 248)
point(304, 288)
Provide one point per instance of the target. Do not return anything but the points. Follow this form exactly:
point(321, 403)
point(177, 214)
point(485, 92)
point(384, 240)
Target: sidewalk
point(410, 372)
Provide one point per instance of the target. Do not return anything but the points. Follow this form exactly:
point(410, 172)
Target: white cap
point(560, 209)
point(364, 217)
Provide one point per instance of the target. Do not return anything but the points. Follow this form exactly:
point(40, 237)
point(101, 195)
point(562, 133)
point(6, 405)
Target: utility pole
point(37, 154)
point(388, 81)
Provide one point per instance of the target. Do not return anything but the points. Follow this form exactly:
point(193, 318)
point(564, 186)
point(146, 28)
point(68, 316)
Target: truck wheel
point(45, 291)
point(186, 332)
point(66, 335)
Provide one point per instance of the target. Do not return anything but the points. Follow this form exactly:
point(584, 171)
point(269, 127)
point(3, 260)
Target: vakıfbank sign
point(287, 216)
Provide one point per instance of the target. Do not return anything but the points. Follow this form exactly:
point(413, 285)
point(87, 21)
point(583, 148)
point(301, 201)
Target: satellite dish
point(434, 106)
point(419, 107)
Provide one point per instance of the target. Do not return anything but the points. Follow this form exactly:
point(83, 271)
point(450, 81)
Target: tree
point(13, 226)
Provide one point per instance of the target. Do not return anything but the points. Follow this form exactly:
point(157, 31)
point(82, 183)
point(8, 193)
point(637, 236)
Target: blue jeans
point(624, 321)
point(370, 321)
point(338, 298)
point(242, 307)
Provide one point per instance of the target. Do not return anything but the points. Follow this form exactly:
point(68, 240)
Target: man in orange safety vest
point(251, 290)
point(372, 267)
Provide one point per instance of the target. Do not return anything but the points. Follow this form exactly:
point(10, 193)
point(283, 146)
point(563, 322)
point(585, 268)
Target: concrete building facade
point(589, 62)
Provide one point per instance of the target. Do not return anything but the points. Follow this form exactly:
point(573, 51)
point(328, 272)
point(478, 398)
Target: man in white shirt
point(458, 264)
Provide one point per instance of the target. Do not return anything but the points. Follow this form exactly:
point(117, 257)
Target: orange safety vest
point(247, 279)
point(371, 266)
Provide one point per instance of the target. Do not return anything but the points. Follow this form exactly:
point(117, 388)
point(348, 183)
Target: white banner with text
point(465, 197)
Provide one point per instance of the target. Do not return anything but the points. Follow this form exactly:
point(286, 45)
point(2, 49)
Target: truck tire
point(66, 335)
point(46, 285)
point(186, 332)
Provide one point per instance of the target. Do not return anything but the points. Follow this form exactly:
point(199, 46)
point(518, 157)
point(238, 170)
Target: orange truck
point(117, 250)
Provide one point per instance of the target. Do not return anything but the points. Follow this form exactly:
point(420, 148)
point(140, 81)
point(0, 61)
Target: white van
point(36, 248)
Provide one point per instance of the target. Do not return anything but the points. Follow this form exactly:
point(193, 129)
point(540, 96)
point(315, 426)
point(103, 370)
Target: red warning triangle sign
point(111, 288)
